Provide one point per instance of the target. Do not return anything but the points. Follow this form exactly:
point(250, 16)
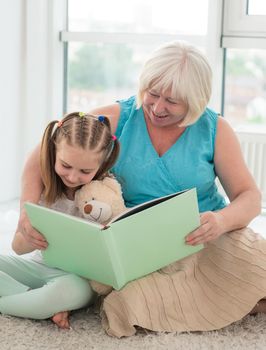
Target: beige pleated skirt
point(205, 291)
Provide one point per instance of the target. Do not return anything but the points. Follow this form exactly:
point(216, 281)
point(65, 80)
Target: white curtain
point(31, 89)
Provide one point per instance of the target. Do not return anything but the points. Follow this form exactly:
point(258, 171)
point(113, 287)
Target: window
point(256, 7)
point(244, 38)
point(245, 89)
point(242, 23)
point(106, 49)
point(138, 16)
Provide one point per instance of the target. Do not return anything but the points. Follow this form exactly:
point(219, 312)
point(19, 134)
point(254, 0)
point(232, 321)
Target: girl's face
point(162, 110)
point(74, 165)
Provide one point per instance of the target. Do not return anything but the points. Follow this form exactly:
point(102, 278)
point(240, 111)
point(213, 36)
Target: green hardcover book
point(142, 240)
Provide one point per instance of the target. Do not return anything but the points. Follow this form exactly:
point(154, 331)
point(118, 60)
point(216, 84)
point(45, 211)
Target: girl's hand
point(32, 236)
point(211, 227)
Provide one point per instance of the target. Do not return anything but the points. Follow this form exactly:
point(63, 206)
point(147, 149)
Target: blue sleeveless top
point(188, 163)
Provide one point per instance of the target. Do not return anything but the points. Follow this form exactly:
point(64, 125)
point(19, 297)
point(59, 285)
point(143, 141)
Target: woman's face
point(74, 165)
point(162, 110)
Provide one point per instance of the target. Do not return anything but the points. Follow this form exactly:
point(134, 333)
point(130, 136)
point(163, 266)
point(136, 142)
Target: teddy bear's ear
point(113, 184)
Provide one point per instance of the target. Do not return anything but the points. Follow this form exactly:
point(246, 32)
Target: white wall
point(11, 68)
point(31, 89)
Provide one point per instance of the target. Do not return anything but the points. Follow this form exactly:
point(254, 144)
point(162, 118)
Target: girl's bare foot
point(61, 319)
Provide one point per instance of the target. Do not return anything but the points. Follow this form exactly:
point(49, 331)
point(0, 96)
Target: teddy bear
point(100, 201)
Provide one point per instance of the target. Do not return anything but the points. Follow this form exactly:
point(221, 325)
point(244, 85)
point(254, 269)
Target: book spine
point(114, 256)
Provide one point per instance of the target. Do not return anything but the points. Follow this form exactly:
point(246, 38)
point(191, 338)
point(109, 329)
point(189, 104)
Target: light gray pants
point(33, 290)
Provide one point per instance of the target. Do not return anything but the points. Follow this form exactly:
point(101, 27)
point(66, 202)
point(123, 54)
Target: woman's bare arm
point(112, 112)
point(239, 185)
point(237, 181)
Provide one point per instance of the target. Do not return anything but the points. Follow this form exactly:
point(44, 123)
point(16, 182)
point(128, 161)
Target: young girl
point(74, 151)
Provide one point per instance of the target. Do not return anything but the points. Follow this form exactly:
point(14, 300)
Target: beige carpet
point(87, 333)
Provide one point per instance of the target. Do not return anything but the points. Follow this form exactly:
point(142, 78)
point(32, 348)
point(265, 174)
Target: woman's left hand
point(211, 227)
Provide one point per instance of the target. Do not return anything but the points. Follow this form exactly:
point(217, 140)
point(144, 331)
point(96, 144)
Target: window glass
point(256, 7)
point(102, 73)
point(245, 89)
point(139, 16)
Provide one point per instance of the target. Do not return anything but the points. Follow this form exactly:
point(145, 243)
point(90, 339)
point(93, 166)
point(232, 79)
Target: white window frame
point(241, 30)
point(211, 41)
point(244, 31)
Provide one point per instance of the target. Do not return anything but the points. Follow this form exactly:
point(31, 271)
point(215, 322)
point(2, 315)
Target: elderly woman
point(170, 141)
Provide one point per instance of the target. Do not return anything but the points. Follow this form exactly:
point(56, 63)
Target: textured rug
point(87, 333)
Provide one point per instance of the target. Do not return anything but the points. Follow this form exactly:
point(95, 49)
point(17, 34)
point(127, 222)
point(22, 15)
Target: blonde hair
point(76, 129)
point(184, 70)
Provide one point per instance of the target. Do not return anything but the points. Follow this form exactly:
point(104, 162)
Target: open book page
point(136, 209)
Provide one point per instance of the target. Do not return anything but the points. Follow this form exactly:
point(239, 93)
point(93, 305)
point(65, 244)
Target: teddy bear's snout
point(87, 208)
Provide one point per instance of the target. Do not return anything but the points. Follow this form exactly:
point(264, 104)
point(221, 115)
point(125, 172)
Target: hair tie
point(81, 114)
point(60, 123)
point(101, 118)
point(114, 137)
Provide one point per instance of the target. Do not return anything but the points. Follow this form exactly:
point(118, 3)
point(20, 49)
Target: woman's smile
point(162, 110)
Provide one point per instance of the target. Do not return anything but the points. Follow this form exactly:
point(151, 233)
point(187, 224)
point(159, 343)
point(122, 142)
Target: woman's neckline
point(158, 139)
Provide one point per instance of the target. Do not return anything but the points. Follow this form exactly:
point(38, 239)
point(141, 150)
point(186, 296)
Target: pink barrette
point(60, 123)
point(114, 137)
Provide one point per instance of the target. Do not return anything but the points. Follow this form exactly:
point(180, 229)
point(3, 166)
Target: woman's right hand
point(33, 237)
